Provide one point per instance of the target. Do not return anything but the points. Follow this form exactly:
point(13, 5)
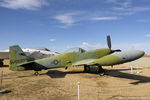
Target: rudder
point(17, 57)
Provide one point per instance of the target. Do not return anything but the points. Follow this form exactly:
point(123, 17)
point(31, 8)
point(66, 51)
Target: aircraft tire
point(101, 71)
point(102, 74)
point(1, 64)
point(36, 73)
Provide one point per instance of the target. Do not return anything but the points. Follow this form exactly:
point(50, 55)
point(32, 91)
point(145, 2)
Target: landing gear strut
point(1, 64)
point(66, 68)
point(86, 68)
point(101, 71)
point(36, 73)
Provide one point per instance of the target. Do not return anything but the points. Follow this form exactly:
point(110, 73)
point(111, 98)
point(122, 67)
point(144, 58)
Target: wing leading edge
point(104, 61)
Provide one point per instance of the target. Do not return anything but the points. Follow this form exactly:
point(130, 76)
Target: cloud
point(52, 40)
point(122, 3)
point(132, 9)
point(125, 4)
point(148, 35)
point(23, 4)
point(105, 18)
point(66, 19)
point(116, 11)
point(85, 45)
point(126, 7)
point(139, 9)
point(143, 20)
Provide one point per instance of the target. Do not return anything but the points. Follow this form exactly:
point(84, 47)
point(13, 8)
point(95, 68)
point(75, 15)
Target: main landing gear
point(1, 64)
point(100, 70)
point(86, 68)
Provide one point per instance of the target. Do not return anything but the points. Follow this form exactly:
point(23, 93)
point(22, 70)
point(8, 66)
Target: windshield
point(75, 49)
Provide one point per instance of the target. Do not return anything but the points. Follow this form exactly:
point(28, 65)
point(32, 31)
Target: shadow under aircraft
point(139, 78)
point(112, 73)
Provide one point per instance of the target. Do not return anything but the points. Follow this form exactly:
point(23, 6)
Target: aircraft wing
point(104, 61)
point(108, 60)
point(83, 62)
point(25, 63)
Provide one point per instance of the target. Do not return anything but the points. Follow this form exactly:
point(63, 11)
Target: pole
point(1, 79)
point(138, 71)
point(78, 90)
point(131, 69)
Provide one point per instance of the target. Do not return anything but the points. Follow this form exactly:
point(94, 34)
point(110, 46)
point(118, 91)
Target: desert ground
point(60, 84)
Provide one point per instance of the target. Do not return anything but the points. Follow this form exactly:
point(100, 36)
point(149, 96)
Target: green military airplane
point(99, 57)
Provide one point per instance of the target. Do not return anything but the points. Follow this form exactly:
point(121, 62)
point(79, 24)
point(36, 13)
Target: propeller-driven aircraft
point(98, 57)
point(33, 53)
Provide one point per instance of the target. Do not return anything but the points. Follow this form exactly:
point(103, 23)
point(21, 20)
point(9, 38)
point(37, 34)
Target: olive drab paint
point(100, 57)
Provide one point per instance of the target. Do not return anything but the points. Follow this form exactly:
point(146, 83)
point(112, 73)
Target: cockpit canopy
point(44, 49)
point(75, 49)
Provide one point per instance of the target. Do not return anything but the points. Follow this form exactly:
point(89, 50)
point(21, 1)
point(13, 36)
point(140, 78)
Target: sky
point(63, 24)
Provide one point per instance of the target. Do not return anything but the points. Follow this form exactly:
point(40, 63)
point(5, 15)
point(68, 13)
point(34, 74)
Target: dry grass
point(146, 55)
point(61, 84)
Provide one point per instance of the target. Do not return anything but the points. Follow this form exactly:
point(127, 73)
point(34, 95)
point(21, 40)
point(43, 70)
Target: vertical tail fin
point(17, 57)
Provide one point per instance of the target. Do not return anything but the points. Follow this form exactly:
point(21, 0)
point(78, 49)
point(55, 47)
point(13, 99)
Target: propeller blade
point(109, 41)
point(109, 45)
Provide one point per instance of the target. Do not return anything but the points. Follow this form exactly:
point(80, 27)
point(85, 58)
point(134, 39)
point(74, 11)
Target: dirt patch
point(61, 84)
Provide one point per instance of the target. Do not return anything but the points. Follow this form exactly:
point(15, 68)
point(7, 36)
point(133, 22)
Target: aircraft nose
point(140, 53)
point(133, 55)
point(130, 55)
